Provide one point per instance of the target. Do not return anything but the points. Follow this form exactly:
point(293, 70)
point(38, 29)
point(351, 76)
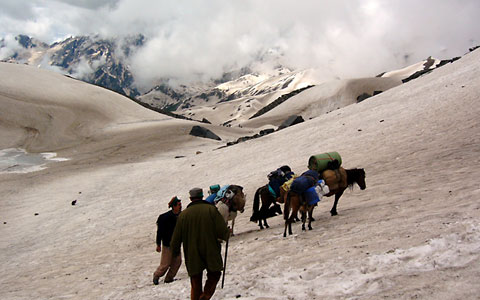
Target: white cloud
point(9, 46)
point(90, 4)
point(84, 69)
point(45, 64)
point(192, 40)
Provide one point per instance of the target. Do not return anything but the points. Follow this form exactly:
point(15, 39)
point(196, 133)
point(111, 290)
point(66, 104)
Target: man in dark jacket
point(199, 228)
point(165, 225)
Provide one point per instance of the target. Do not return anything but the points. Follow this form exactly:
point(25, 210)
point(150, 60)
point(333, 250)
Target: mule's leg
point(265, 223)
point(260, 223)
point(295, 204)
point(286, 213)
point(263, 214)
point(288, 224)
point(304, 217)
point(333, 211)
point(265, 208)
point(296, 218)
point(233, 224)
point(310, 217)
point(285, 231)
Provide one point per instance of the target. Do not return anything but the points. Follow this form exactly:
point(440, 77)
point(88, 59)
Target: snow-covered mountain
point(416, 70)
point(91, 59)
point(239, 93)
point(252, 95)
point(105, 62)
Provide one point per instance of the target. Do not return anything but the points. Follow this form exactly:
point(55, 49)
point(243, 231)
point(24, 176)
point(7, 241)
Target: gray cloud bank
point(194, 40)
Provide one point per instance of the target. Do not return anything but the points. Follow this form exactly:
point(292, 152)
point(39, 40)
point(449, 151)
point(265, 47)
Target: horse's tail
point(286, 207)
point(256, 200)
point(256, 205)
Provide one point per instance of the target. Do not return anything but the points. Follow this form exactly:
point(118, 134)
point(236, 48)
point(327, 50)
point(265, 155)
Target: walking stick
point(225, 262)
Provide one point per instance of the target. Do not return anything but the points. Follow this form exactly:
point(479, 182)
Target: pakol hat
point(196, 193)
point(173, 202)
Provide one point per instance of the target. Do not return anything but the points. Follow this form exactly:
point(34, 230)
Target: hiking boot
point(155, 280)
point(168, 280)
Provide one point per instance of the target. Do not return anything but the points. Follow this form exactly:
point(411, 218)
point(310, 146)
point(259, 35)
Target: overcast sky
point(190, 39)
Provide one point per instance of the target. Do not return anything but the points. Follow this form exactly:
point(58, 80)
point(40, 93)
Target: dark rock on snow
point(204, 132)
point(292, 120)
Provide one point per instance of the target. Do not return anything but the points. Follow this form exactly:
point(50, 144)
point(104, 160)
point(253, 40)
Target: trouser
point(210, 285)
point(168, 263)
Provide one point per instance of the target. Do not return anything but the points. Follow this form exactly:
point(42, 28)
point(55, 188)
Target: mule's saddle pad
point(335, 179)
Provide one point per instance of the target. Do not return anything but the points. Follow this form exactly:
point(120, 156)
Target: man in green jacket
point(199, 228)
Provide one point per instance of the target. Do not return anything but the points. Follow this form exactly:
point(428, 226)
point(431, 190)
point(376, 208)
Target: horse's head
point(276, 209)
point(360, 179)
point(238, 200)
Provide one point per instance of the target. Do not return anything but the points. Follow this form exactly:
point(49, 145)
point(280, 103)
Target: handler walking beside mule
point(200, 227)
point(165, 226)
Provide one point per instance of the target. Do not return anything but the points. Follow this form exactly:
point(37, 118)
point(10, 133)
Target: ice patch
point(454, 250)
point(377, 272)
point(15, 160)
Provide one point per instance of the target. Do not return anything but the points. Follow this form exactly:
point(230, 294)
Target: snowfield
point(413, 233)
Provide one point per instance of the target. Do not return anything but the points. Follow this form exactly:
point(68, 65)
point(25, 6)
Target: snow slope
point(413, 233)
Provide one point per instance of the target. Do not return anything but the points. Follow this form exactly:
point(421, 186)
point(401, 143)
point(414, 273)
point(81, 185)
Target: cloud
point(196, 40)
point(8, 46)
point(91, 4)
point(84, 69)
point(45, 64)
point(14, 9)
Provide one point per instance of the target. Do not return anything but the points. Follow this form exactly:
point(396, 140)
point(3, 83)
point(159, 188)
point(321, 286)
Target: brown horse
point(265, 210)
point(228, 207)
point(337, 181)
point(294, 201)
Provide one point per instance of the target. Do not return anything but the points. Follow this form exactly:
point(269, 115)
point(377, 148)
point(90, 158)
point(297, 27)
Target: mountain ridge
point(104, 62)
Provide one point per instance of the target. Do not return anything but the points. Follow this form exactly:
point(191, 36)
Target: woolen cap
point(173, 202)
point(196, 193)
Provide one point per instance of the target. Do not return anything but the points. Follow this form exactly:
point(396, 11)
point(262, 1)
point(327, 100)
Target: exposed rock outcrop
point(204, 133)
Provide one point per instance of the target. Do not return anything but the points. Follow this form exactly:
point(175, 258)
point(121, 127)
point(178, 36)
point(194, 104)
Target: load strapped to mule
point(213, 190)
point(309, 185)
point(325, 161)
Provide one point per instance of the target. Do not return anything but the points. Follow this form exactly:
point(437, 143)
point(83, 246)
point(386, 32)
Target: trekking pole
point(225, 262)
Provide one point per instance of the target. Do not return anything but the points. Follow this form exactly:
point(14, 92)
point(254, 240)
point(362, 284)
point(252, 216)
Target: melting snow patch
point(377, 272)
point(454, 250)
point(15, 160)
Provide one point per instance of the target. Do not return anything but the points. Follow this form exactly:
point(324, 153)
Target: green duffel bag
point(319, 162)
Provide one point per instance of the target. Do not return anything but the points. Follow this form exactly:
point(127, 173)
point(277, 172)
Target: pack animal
point(266, 197)
point(263, 208)
point(232, 202)
point(295, 201)
point(337, 180)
